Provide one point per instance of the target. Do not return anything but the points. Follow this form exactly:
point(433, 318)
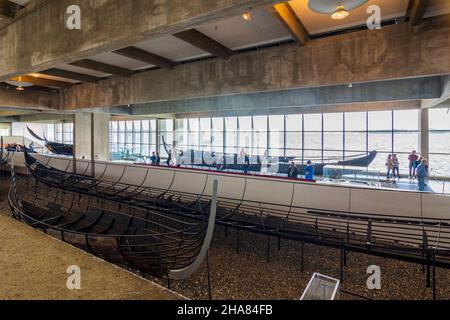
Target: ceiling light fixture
point(247, 16)
point(19, 84)
point(337, 9)
point(340, 13)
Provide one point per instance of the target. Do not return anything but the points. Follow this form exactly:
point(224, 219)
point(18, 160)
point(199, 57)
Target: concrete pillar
point(424, 133)
point(100, 131)
point(91, 136)
point(82, 136)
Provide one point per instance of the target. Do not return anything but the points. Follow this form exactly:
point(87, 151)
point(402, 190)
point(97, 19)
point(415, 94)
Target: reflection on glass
point(440, 141)
point(343, 134)
point(333, 122)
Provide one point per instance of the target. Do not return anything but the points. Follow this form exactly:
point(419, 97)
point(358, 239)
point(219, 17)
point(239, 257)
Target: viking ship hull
point(54, 147)
point(281, 166)
point(59, 148)
point(151, 240)
point(359, 218)
point(3, 163)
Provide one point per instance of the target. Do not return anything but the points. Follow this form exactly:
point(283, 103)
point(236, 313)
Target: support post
point(303, 249)
point(93, 155)
point(208, 267)
point(424, 133)
point(434, 276)
point(237, 243)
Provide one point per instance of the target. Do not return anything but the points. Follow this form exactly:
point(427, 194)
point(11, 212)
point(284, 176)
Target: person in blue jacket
point(309, 171)
point(421, 173)
point(153, 159)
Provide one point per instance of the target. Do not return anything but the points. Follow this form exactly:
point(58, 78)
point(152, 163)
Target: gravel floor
point(248, 275)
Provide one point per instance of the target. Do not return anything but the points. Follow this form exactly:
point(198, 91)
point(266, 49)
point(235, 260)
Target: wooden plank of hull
point(289, 201)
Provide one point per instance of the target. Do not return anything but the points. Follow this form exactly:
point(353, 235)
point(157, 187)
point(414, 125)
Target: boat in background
point(222, 161)
point(54, 147)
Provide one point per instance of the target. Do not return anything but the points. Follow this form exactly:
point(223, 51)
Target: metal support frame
point(237, 242)
point(208, 268)
point(303, 257)
point(372, 244)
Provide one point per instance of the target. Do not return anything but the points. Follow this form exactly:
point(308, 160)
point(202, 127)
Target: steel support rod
point(303, 249)
point(434, 279)
point(237, 242)
point(208, 267)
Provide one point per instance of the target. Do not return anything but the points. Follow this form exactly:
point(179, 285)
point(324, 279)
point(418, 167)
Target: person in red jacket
point(413, 157)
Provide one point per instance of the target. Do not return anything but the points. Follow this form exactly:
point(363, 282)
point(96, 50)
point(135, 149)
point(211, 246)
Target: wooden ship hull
point(278, 165)
point(359, 218)
point(151, 240)
point(54, 147)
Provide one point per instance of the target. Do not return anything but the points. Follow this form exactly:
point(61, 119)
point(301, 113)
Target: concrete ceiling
point(21, 2)
point(438, 7)
point(45, 76)
point(236, 33)
point(263, 28)
point(317, 23)
point(120, 61)
point(83, 71)
point(172, 48)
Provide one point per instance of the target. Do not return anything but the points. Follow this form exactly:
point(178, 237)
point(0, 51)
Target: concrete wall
point(28, 99)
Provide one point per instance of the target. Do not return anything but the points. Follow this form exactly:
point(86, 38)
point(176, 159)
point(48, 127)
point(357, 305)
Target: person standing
point(242, 153)
point(396, 166)
point(416, 164)
point(389, 166)
point(246, 163)
point(169, 158)
point(309, 171)
point(421, 173)
point(158, 159)
point(153, 159)
point(292, 171)
point(413, 157)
